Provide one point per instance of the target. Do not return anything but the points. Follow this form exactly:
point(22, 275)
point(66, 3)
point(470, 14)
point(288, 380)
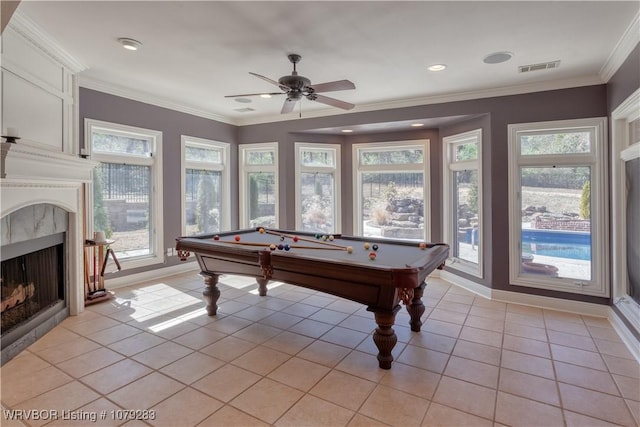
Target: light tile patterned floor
point(302, 358)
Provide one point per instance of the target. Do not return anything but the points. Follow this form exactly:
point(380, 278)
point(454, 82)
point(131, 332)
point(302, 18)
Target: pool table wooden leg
point(385, 337)
point(211, 292)
point(416, 308)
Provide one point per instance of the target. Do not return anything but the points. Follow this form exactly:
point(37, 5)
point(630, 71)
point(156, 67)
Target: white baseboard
point(625, 334)
point(132, 279)
point(467, 284)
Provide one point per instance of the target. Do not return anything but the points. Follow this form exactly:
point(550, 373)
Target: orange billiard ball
point(237, 238)
point(423, 245)
point(261, 230)
point(372, 255)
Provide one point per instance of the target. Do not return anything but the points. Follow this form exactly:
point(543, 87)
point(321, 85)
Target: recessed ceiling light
point(497, 57)
point(243, 100)
point(347, 130)
point(417, 125)
point(265, 95)
point(436, 67)
point(130, 44)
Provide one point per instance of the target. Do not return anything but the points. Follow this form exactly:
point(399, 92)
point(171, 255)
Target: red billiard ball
point(237, 238)
point(296, 238)
point(372, 255)
point(216, 237)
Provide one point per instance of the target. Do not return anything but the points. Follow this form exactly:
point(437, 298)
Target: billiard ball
point(216, 237)
point(261, 230)
point(296, 238)
point(374, 247)
point(272, 247)
point(317, 235)
point(237, 238)
point(366, 245)
point(324, 238)
point(287, 247)
point(282, 238)
point(423, 245)
point(349, 249)
point(281, 246)
point(331, 238)
point(372, 255)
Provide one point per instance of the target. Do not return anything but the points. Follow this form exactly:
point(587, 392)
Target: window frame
point(223, 166)
point(335, 170)
point(156, 231)
point(243, 181)
point(595, 159)
point(450, 166)
point(623, 150)
point(358, 170)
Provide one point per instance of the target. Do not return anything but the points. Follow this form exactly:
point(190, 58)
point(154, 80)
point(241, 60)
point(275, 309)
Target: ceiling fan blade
point(288, 106)
point(331, 101)
point(254, 94)
point(333, 86)
point(267, 79)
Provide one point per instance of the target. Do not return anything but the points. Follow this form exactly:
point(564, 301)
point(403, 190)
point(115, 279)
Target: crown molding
point(439, 99)
point(147, 98)
point(627, 43)
point(28, 29)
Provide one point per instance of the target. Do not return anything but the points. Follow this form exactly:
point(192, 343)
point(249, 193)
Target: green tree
point(254, 209)
point(585, 201)
point(205, 220)
point(100, 215)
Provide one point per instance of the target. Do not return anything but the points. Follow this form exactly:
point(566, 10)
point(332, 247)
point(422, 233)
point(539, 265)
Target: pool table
point(378, 273)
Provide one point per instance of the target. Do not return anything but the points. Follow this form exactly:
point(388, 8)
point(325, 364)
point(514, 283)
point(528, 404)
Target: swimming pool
point(557, 244)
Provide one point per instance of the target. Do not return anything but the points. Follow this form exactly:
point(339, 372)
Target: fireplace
point(32, 282)
point(42, 210)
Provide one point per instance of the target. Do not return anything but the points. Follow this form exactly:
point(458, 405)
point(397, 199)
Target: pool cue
point(306, 239)
point(266, 245)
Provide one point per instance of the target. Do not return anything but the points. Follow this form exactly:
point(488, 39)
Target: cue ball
point(237, 238)
point(349, 249)
point(423, 246)
point(216, 237)
point(374, 247)
point(366, 245)
point(261, 230)
point(272, 247)
point(372, 255)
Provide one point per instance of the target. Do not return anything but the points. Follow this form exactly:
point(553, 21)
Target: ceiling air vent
point(244, 110)
point(537, 67)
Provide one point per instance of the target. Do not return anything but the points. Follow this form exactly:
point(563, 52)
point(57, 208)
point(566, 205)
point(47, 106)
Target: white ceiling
point(194, 53)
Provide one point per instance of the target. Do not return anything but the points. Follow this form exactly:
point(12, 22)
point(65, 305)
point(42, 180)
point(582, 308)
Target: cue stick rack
point(96, 257)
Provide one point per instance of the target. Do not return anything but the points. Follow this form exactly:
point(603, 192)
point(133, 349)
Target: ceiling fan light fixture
point(417, 125)
point(129, 44)
point(437, 67)
point(346, 130)
point(265, 95)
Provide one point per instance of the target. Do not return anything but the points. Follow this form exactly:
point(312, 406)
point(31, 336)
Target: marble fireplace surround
point(32, 175)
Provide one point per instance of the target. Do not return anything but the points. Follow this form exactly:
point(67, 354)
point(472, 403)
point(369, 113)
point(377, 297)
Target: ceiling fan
point(296, 87)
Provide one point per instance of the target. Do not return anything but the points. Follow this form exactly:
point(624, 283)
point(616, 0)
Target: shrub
point(585, 201)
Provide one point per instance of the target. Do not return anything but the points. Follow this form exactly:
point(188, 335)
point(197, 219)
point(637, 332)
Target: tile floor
point(302, 358)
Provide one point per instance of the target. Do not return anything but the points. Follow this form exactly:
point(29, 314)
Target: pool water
point(558, 250)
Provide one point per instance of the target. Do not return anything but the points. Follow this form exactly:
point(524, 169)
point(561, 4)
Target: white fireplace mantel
point(31, 175)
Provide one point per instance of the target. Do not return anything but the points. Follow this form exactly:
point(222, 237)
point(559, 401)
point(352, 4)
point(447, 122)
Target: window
point(462, 193)
point(259, 185)
point(205, 184)
point(625, 209)
point(126, 202)
point(318, 188)
point(557, 206)
point(392, 190)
